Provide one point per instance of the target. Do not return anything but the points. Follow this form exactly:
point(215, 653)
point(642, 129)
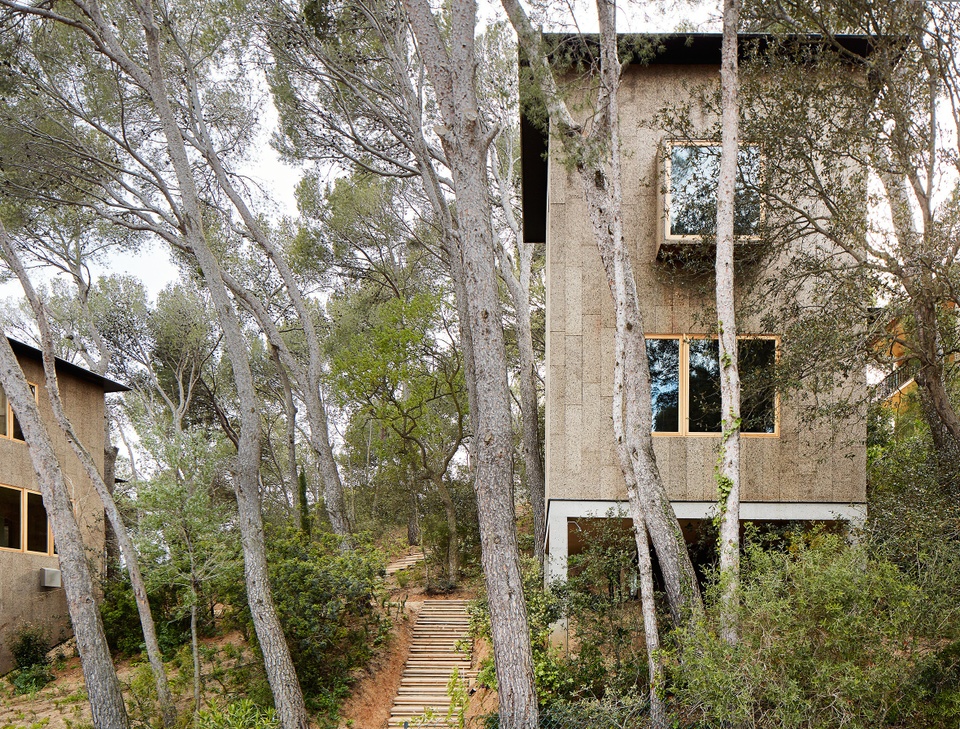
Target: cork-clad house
point(786, 473)
point(30, 585)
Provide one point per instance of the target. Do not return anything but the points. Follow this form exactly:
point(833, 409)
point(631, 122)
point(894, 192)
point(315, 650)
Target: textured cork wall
point(22, 599)
point(803, 464)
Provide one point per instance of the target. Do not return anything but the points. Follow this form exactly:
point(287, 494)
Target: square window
point(692, 172)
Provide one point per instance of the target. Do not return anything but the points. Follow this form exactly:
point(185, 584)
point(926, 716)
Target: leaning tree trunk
point(519, 287)
point(465, 140)
point(117, 529)
point(103, 688)
point(624, 414)
point(588, 151)
point(728, 464)
point(281, 674)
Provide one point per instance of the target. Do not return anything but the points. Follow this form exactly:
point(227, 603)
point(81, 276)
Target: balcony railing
point(893, 382)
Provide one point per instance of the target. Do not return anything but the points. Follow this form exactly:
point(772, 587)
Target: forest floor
point(62, 704)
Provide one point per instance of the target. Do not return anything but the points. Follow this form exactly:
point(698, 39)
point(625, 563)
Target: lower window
point(685, 384)
point(24, 526)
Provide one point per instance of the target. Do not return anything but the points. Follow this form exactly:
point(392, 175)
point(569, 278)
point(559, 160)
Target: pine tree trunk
point(597, 161)
point(728, 466)
point(465, 140)
point(413, 522)
point(288, 698)
point(103, 688)
point(453, 539)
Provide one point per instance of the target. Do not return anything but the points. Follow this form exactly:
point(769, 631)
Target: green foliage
point(826, 640)
point(243, 714)
point(31, 679)
point(141, 698)
point(121, 621)
point(914, 522)
point(29, 646)
point(543, 609)
point(332, 606)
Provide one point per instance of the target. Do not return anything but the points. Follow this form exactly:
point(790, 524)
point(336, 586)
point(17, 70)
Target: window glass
point(17, 432)
point(10, 500)
point(694, 171)
point(704, 373)
point(758, 405)
point(37, 535)
point(663, 356)
point(3, 413)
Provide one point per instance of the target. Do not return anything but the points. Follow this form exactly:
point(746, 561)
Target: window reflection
point(694, 172)
point(704, 374)
point(663, 356)
point(687, 371)
point(10, 518)
point(758, 405)
point(37, 533)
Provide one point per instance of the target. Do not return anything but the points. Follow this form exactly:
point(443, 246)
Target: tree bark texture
point(601, 186)
point(518, 284)
point(465, 141)
point(103, 688)
point(728, 464)
point(281, 674)
point(623, 415)
point(453, 545)
point(117, 529)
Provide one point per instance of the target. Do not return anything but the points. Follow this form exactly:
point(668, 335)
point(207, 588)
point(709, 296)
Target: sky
point(276, 181)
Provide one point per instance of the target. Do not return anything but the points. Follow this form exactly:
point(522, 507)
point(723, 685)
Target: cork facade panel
point(22, 598)
point(802, 463)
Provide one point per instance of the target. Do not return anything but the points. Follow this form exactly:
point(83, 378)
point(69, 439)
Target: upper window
point(692, 170)
point(9, 425)
point(23, 522)
point(685, 385)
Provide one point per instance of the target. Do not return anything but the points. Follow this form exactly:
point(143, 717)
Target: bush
point(29, 647)
point(243, 714)
point(332, 607)
point(31, 679)
point(543, 609)
point(826, 640)
point(121, 620)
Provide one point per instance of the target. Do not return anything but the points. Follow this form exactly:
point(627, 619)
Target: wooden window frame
point(24, 539)
point(10, 416)
point(666, 150)
point(683, 399)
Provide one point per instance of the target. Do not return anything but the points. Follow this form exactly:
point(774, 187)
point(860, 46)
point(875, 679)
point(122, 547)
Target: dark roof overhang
point(108, 385)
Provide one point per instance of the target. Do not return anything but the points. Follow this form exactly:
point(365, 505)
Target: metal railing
point(893, 382)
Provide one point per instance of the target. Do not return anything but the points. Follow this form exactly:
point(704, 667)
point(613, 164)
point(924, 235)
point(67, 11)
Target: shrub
point(31, 679)
point(332, 606)
point(243, 714)
point(29, 646)
point(826, 640)
point(121, 620)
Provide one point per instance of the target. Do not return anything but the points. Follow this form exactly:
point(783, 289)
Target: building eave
point(108, 385)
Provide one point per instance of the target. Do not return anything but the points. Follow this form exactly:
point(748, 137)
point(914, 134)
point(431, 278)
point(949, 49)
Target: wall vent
point(49, 577)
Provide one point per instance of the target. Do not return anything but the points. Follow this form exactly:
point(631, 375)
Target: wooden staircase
point(408, 560)
point(440, 627)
